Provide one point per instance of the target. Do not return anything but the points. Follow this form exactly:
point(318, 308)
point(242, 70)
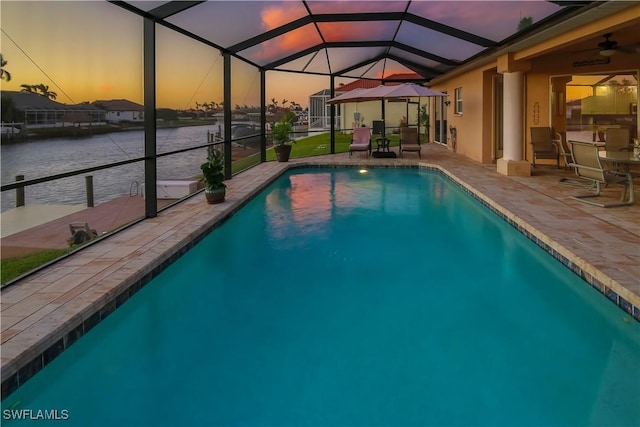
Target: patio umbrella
point(410, 90)
point(354, 95)
point(405, 90)
point(382, 92)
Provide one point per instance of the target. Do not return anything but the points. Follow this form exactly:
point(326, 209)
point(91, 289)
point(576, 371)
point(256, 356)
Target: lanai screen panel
point(323, 7)
point(226, 23)
point(358, 31)
point(385, 68)
point(272, 33)
point(315, 62)
point(413, 58)
point(342, 58)
point(437, 43)
point(289, 43)
point(494, 20)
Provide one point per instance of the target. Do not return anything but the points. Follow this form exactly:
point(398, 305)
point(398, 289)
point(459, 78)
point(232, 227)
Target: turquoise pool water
point(336, 298)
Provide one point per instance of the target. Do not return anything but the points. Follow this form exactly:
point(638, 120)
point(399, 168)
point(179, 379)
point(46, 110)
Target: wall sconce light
point(447, 103)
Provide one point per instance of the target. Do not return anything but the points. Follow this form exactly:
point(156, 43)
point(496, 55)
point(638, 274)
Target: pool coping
point(131, 263)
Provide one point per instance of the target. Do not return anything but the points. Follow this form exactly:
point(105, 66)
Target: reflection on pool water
point(341, 298)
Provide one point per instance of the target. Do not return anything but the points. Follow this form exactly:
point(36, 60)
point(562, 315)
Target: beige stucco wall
point(474, 124)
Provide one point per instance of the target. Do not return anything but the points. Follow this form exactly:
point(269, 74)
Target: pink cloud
point(304, 37)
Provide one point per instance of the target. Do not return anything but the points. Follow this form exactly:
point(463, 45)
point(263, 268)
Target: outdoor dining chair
point(617, 139)
point(588, 166)
point(563, 147)
point(543, 145)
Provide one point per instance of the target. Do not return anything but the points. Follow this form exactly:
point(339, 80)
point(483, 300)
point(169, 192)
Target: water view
point(39, 158)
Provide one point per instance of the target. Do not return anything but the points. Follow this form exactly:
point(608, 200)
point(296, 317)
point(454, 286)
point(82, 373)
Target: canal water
point(39, 158)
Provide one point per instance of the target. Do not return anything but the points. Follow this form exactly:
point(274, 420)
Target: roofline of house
point(596, 12)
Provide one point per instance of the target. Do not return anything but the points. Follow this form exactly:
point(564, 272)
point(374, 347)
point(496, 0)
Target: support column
point(332, 112)
point(263, 116)
point(151, 159)
point(227, 114)
point(512, 163)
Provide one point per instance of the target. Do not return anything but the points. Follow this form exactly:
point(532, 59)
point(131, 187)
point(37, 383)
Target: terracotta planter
point(282, 152)
point(215, 196)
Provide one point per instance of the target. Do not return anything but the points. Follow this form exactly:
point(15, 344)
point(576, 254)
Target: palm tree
point(29, 88)
point(206, 107)
point(4, 74)
point(44, 91)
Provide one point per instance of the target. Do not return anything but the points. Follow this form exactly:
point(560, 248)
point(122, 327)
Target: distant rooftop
point(118, 105)
point(25, 101)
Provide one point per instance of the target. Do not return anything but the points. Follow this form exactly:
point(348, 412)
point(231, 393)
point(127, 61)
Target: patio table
point(625, 159)
point(384, 143)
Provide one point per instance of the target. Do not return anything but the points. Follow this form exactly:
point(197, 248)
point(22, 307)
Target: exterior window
point(458, 104)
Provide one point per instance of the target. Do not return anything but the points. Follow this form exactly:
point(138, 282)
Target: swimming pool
point(340, 298)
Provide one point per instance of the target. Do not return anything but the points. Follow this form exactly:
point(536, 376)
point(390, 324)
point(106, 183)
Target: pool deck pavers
point(47, 311)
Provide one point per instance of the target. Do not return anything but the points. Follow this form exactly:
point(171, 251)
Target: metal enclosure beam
point(227, 115)
point(171, 8)
point(332, 111)
point(263, 116)
point(149, 82)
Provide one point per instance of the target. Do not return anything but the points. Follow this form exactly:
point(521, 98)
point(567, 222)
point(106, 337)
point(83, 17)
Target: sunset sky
point(92, 50)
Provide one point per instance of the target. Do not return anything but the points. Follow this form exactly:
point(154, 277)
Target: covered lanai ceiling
point(358, 39)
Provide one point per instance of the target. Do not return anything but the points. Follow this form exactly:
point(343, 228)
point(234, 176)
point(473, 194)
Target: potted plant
point(281, 136)
point(213, 176)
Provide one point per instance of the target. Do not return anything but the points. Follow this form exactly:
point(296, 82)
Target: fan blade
point(630, 48)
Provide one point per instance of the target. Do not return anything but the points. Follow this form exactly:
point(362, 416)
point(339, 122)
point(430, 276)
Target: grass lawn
point(314, 145)
point(14, 267)
point(320, 144)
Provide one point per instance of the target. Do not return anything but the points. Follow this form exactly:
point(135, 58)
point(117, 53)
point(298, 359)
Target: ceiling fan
point(609, 47)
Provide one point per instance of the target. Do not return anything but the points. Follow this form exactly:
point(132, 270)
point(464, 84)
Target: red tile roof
point(405, 76)
point(366, 84)
point(358, 84)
